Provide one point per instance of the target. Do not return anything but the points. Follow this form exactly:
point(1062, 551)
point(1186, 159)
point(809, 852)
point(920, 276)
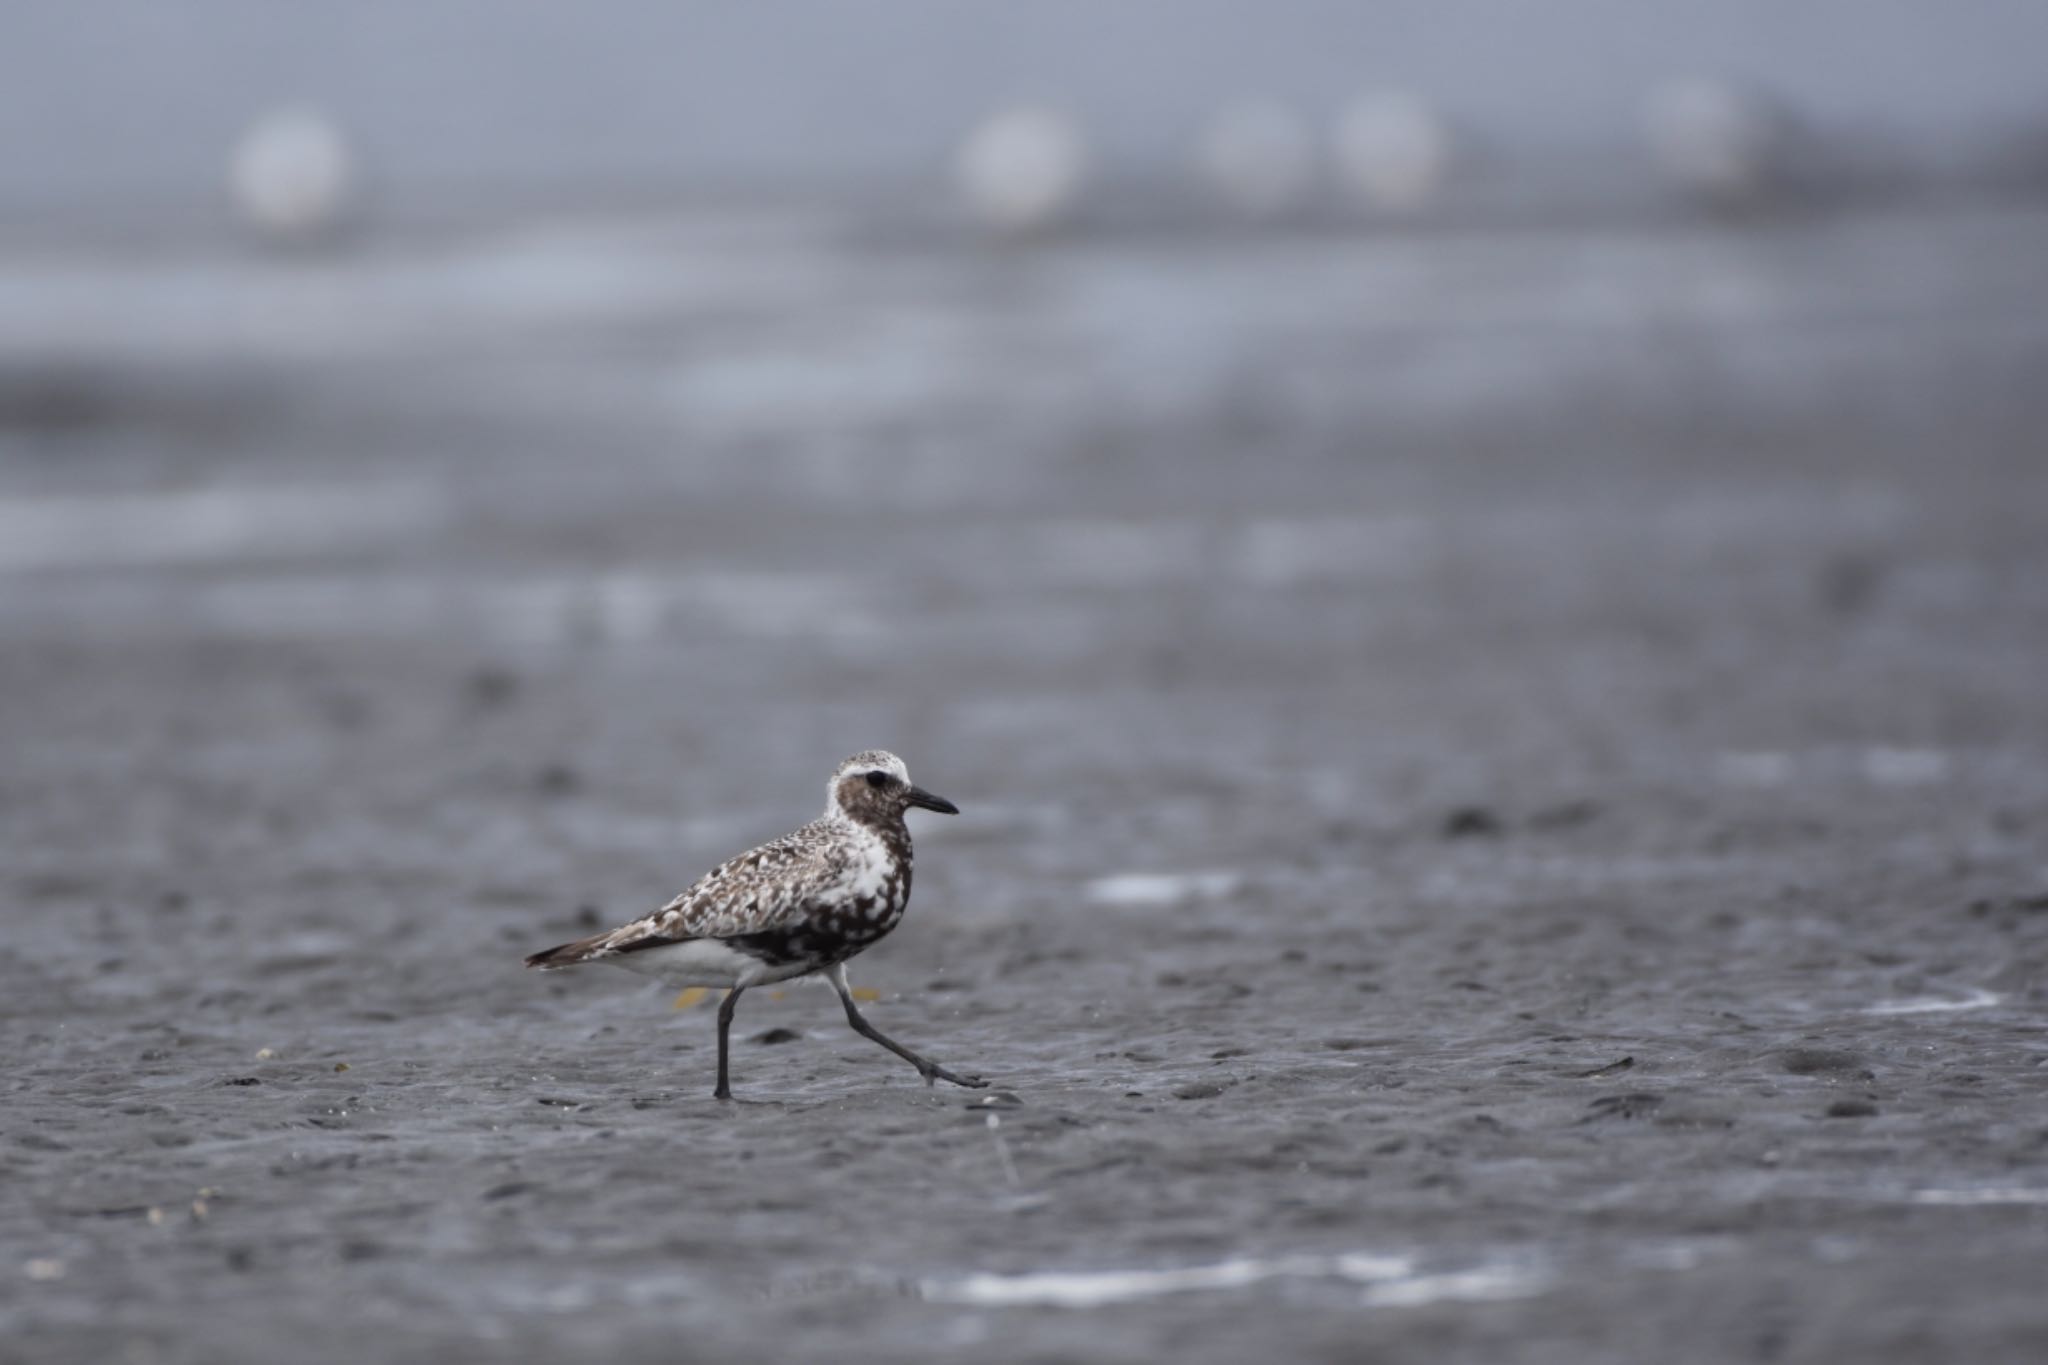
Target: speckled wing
point(757, 891)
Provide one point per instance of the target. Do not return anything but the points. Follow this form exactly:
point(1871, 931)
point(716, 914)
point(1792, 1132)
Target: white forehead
point(871, 760)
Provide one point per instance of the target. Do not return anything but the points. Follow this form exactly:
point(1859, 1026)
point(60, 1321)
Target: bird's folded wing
point(754, 893)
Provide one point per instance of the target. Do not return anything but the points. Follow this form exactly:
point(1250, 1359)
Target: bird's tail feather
point(569, 954)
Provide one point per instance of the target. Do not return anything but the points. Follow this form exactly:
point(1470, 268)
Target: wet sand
point(1504, 788)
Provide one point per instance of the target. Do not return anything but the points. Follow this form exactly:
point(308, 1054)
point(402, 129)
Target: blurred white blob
point(292, 174)
point(1161, 888)
point(1259, 156)
point(1021, 169)
point(1100, 1288)
point(1905, 767)
point(2007, 1194)
point(1762, 768)
point(1974, 998)
point(1715, 139)
point(1393, 151)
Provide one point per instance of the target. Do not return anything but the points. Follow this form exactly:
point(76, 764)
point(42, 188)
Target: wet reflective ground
point(1504, 786)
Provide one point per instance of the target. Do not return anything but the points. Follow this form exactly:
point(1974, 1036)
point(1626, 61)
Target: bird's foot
point(932, 1071)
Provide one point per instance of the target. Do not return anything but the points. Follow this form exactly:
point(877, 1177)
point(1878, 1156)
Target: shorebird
point(800, 904)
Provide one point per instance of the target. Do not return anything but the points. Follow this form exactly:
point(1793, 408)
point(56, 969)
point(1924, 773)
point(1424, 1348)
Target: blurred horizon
point(468, 108)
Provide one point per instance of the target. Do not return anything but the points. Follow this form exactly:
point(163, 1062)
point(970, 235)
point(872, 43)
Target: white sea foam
point(1905, 767)
point(1094, 1288)
point(1391, 1282)
point(1485, 1284)
point(1976, 998)
point(1161, 888)
point(2010, 1194)
point(212, 524)
point(546, 611)
point(1760, 768)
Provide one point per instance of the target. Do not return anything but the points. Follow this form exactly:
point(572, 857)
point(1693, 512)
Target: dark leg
point(725, 1007)
point(931, 1071)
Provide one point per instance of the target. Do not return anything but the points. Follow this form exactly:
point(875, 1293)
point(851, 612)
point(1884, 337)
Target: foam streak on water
point(1161, 888)
point(211, 524)
point(1481, 1285)
point(1095, 1288)
point(1976, 998)
point(1980, 1197)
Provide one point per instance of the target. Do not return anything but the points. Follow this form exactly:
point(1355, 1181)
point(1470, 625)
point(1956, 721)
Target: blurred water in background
point(544, 326)
point(343, 286)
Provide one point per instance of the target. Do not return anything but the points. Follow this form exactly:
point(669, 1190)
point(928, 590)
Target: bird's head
point(874, 787)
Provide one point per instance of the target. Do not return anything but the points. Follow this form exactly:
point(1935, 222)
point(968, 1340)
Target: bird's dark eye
point(878, 778)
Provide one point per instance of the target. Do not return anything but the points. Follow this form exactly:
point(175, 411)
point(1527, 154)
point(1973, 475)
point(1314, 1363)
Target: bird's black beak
point(918, 796)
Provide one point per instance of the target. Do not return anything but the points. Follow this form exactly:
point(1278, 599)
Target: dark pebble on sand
point(557, 779)
point(1846, 584)
point(778, 1035)
point(1200, 1090)
point(487, 689)
point(1471, 822)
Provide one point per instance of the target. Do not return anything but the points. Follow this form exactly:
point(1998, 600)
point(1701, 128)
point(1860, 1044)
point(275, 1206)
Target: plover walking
point(796, 905)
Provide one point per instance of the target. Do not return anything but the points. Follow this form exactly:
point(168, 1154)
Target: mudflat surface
point(1505, 788)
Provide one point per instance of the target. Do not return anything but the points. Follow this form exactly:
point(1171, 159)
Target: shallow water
point(1539, 871)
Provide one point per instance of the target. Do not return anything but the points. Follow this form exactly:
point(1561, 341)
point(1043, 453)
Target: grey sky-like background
point(123, 105)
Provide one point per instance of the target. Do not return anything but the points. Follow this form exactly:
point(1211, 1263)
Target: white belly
point(703, 962)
